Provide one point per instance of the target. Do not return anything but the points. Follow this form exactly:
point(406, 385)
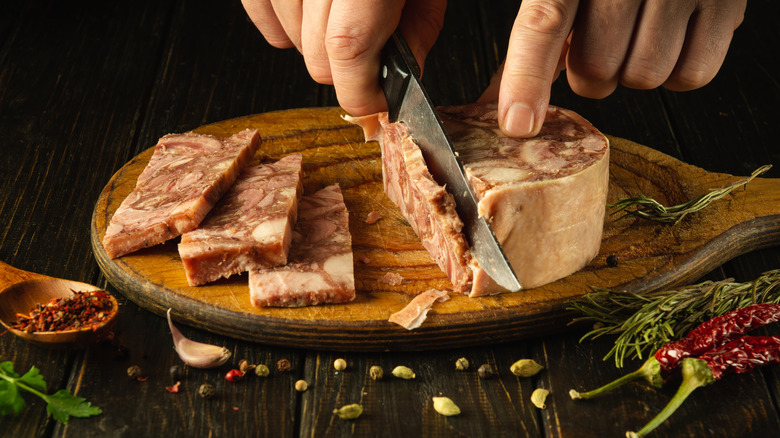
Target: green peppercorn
point(261, 370)
point(134, 372)
point(206, 390)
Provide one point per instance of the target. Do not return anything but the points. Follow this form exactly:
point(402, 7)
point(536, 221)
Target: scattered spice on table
point(174, 388)
point(283, 365)
point(206, 390)
point(80, 310)
point(738, 356)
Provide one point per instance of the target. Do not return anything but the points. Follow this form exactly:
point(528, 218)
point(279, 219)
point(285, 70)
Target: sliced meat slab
point(427, 206)
point(185, 177)
point(544, 197)
point(320, 268)
point(250, 227)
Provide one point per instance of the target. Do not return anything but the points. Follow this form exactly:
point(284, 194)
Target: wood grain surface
point(650, 256)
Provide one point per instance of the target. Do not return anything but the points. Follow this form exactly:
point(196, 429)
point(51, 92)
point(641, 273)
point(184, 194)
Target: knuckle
point(546, 17)
point(692, 77)
point(346, 44)
point(643, 75)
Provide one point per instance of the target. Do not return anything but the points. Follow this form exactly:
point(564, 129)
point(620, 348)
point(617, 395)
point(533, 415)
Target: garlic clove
point(197, 354)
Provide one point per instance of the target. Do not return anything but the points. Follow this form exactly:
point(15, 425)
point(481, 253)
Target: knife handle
point(398, 66)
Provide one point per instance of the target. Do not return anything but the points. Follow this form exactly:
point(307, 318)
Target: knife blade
point(407, 101)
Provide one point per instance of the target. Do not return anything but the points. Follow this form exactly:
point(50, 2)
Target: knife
point(407, 101)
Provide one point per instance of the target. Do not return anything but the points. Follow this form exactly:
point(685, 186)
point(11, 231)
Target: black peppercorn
point(283, 365)
point(175, 372)
point(612, 260)
point(485, 371)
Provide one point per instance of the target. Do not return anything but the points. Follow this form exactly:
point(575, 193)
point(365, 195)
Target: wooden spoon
point(20, 291)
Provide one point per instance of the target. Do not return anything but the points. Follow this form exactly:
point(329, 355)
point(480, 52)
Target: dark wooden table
point(86, 85)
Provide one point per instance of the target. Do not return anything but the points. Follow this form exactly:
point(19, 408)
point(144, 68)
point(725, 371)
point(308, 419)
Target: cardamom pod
point(403, 372)
point(445, 406)
point(349, 412)
point(538, 397)
point(525, 368)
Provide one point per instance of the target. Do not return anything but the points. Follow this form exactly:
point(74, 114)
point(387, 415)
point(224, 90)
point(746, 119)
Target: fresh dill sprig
point(648, 321)
point(650, 209)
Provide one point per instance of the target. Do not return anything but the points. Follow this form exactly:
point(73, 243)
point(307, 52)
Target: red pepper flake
point(142, 379)
point(234, 375)
point(80, 310)
point(235, 408)
point(173, 389)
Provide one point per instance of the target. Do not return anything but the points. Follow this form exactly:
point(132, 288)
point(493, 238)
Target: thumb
point(535, 46)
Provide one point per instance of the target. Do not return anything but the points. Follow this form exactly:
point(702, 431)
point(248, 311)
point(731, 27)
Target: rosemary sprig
point(650, 209)
point(648, 321)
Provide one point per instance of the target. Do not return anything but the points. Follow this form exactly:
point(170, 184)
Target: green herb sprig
point(648, 321)
point(61, 405)
point(650, 209)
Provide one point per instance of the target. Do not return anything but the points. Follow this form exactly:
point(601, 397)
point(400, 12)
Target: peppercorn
point(376, 372)
point(340, 364)
point(234, 375)
point(261, 370)
point(612, 261)
point(283, 365)
point(485, 371)
point(175, 372)
point(301, 385)
point(206, 390)
point(462, 364)
point(134, 372)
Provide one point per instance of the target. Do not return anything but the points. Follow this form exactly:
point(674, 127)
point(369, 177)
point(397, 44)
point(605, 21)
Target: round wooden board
point(650, 256)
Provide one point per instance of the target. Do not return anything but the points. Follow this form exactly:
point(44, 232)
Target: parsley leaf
point(61, 405)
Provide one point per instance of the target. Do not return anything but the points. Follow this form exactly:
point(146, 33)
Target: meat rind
point(250, 227)
point(185, 177)
point(320, 268)
point(544, 197)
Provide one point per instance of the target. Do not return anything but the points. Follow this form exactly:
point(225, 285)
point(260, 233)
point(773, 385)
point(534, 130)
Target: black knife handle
point(398, 65)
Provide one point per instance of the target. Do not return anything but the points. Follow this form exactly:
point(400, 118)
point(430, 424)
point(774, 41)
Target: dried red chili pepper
point(77, 311)
point(708, 335)
point(738, 356)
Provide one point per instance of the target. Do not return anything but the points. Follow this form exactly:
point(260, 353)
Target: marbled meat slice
point(426, 205)
point(250, 227)
point(544, 197)
point(320, 268)
point(185, 177)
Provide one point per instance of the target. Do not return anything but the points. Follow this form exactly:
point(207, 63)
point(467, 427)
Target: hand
point(341, 40)
point(678, 44)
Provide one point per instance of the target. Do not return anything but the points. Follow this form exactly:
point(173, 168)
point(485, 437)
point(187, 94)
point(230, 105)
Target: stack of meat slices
point(320, 268)
point(251, 227)
point(544, 197)
point(185, 177)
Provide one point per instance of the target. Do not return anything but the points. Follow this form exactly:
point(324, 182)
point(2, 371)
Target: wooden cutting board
point(650, 256)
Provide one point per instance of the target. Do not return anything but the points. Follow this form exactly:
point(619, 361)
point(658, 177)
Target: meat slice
point(320, 268)
point(185, 177)
point(544, 197)
point(426, 205)
point(250, 227)
point(413, 315)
